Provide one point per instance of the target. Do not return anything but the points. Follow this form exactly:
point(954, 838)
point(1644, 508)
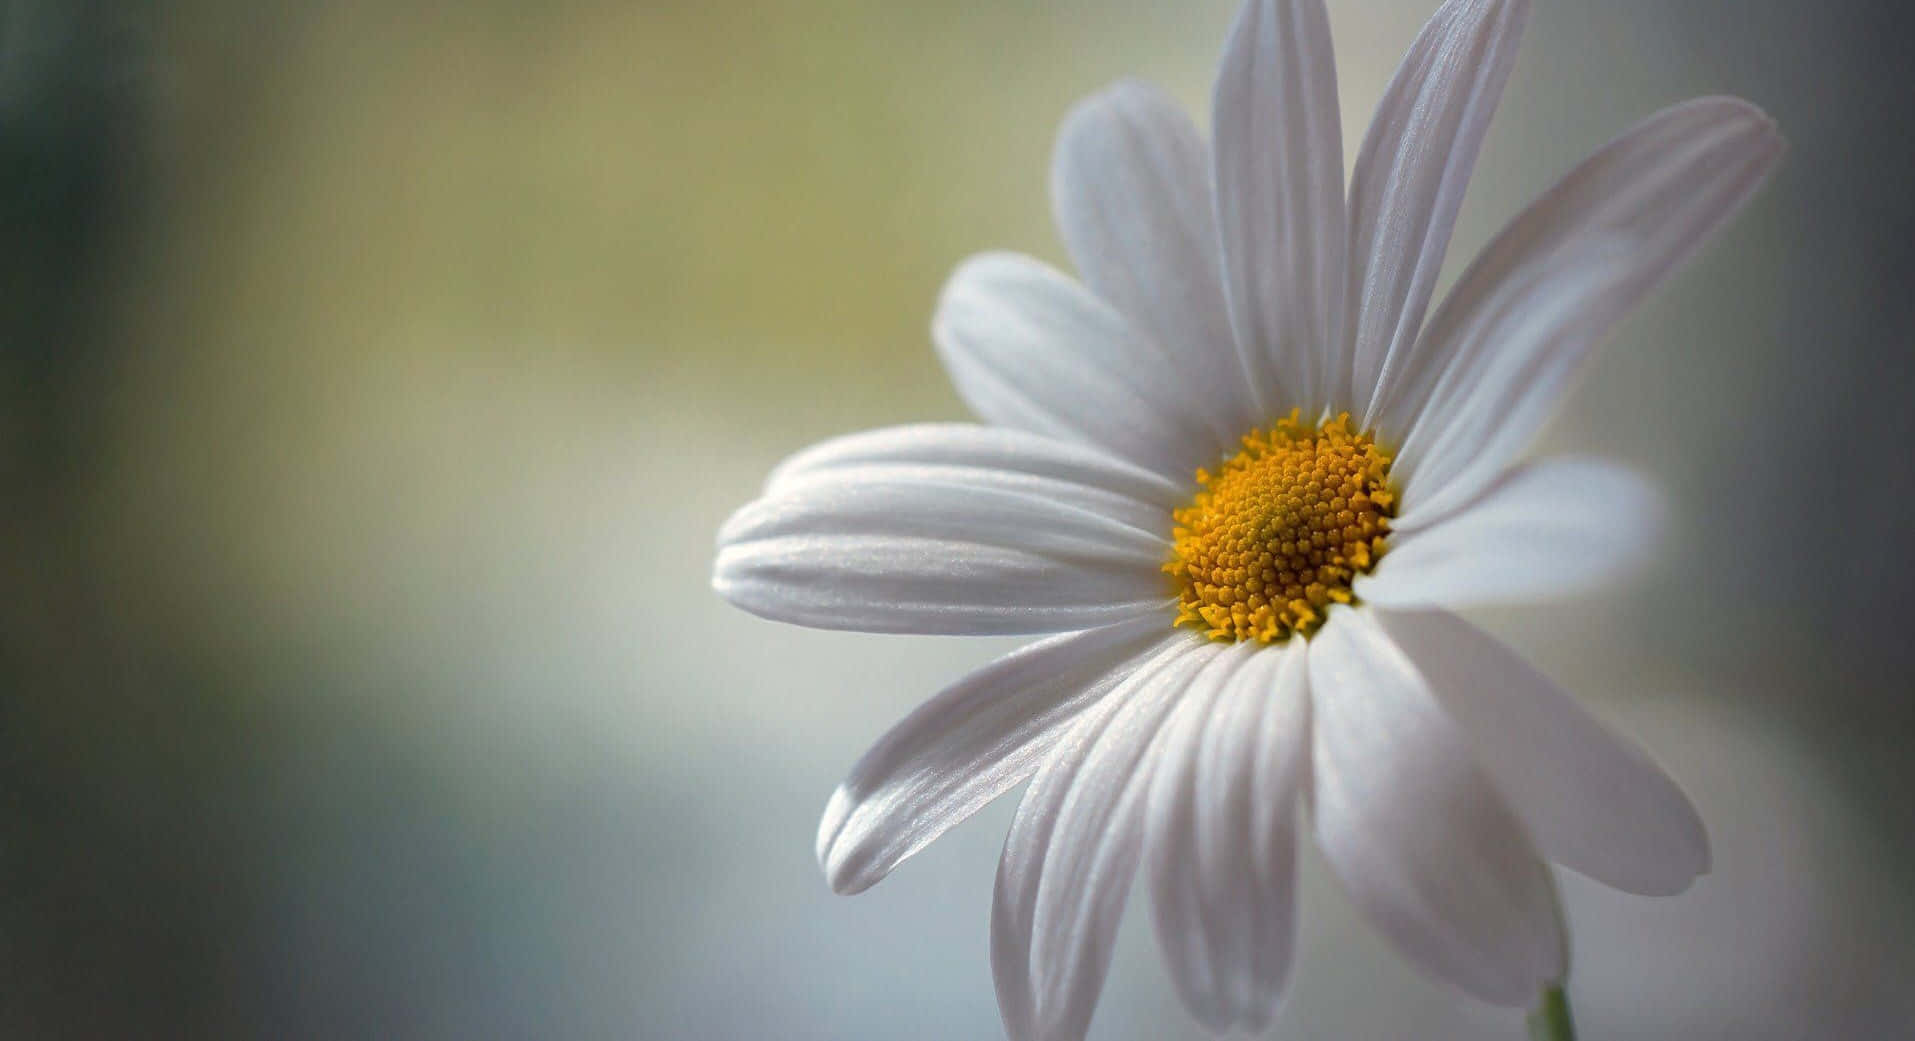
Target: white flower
point(1271, 629)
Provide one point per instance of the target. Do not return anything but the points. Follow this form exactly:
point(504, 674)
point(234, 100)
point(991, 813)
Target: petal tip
point(1753, 120)
point(721, 583)
point(848, 861)
point(831, 824)
point(848, 870)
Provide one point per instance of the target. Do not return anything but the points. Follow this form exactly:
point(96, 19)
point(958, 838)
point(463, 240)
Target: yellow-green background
point(375, 376)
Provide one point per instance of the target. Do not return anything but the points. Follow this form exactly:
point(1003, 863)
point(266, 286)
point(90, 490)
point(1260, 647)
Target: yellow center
point(1280, 531)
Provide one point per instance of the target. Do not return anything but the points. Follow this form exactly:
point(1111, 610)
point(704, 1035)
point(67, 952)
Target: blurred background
point(374, 376)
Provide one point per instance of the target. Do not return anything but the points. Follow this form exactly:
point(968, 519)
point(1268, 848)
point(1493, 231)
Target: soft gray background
point(375, 375)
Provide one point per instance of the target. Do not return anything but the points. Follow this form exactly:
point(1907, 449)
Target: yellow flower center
point(1281, 530)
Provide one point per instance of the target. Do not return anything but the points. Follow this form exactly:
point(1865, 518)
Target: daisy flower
point(1242, 481)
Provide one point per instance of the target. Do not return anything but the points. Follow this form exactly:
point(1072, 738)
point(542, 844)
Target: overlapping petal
point(973, 741)
point(1073, 850)
point(1593, 801)
point(1498, 355)
point(1028, 348)
point(1278, 147)
point(1411, 174)
point(969, 446)
point(938, 549)
point(1130, 186)
point(1222, 833)
point(988, 458)
point(1415, 829)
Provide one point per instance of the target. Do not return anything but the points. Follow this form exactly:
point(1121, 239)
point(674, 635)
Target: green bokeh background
point(375, 376)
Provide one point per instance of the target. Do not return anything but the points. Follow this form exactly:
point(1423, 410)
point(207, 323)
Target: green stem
point(1549, 1021)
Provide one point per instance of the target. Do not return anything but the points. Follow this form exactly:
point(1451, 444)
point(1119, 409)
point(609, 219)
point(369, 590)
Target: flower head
point(1244, 480)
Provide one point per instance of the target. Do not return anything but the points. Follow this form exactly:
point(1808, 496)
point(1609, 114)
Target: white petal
point(989, 457)
point(1142, 520)
point(1548, 529)
point(1028, 348)
point(1414, 829)
point(1279, 175)
point(1073, 850)
point(1593, 800)
point(896, 548)
point(1412, 171)
point(1222, 833)
point(1130, 184)
point(1496, 358)
point(972, 742)
point(981, 447)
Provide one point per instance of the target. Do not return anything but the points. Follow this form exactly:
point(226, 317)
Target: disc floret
point(1279, 532)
